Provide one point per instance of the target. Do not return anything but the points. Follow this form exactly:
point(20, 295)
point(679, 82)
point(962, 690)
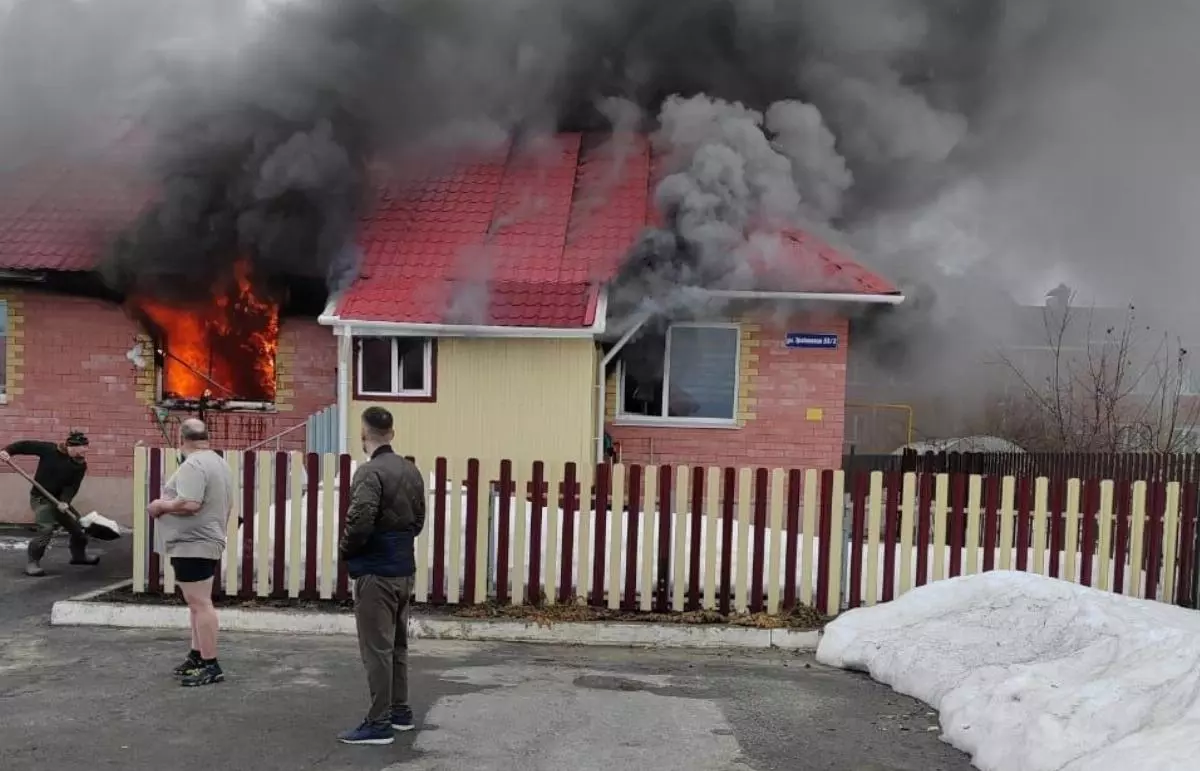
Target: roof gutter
point(845, 297)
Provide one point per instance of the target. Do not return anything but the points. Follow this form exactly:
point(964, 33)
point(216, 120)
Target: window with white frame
point(688, 375)
point(398, 367)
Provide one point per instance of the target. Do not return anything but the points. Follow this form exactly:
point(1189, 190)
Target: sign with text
point(810, 340)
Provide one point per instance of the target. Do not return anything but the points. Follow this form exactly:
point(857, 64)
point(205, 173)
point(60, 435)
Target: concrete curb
point(79, 611)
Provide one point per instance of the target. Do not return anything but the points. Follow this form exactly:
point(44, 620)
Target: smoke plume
point(966, 148)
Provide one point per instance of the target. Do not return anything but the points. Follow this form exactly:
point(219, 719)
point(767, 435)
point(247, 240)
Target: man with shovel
point(60, 472)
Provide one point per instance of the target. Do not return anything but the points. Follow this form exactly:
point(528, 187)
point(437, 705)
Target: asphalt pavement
point(85, 698)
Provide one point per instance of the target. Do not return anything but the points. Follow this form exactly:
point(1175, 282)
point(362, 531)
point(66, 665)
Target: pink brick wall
point(75, 374)
point(778, 433)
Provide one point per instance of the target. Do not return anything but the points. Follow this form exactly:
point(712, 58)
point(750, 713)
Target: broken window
point(219, 347)
point(688, 374)
point(394, 367)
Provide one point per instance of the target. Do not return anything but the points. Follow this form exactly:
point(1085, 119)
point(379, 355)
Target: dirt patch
point(802, 618)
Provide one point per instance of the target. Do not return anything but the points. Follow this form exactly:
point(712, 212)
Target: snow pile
point(1034, 674)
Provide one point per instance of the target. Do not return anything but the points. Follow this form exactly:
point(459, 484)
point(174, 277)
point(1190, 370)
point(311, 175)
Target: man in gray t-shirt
point(191, 519)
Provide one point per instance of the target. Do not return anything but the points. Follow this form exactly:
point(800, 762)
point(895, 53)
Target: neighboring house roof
point(978, 443)
point(515, 237)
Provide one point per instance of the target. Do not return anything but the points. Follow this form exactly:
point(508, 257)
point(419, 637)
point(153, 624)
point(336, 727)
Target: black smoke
point(265, 153)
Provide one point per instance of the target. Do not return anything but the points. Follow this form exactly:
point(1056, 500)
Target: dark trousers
point(49, 519)
point(381, 615)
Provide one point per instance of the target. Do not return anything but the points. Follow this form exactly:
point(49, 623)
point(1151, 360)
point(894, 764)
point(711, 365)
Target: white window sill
point(647, 422)
point(366, 397)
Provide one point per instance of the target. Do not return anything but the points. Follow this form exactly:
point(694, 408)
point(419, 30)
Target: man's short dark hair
point(378, 421)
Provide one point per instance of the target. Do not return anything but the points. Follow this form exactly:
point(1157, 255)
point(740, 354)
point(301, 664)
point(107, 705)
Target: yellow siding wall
point(523, 400)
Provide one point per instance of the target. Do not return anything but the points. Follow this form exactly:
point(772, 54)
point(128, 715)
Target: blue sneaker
point(402, 720)
point(367, 734)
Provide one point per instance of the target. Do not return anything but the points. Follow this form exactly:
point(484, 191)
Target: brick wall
point(790, 413)
point(67, 368)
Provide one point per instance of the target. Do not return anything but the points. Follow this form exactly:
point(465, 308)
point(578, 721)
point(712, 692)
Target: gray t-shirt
point(203, 478)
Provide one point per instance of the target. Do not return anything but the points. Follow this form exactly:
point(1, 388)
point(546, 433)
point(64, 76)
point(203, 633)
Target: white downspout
point(601, 374)
point(345, 360)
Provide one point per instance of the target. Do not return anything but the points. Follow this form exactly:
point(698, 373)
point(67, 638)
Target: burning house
point(535, 358)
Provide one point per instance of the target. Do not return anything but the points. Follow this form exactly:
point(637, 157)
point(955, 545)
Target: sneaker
point(402, 720)
point(189, 666)
point(34, 570)
point(85, 560)
point(367, 734)
point(206, 674)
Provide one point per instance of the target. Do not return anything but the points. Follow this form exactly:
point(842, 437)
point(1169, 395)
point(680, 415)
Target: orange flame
point(226, 346)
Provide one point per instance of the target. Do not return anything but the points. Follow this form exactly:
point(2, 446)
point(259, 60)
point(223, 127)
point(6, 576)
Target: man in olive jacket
point(386, 514)
point(60, 470)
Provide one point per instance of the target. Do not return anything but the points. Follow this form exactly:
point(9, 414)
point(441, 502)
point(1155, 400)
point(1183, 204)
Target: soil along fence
point(663, 538)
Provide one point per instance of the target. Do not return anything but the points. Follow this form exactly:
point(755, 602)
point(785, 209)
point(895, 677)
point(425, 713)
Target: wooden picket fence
point(686, 538)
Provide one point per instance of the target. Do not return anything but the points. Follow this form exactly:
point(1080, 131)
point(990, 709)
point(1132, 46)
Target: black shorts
point(192, 569)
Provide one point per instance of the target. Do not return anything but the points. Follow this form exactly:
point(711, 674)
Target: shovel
point(94, 524)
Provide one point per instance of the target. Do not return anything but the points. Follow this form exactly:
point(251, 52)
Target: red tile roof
point(797, 261)
point(518, 237)
point(57, 218)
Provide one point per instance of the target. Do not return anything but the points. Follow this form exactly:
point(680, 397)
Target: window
point(689, 375)
point(399, 367)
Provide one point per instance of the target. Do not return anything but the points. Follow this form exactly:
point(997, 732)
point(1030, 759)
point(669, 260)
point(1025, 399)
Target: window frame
point(426, 394)
point(623, 418)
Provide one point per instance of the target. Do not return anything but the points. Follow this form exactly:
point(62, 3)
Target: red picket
point(154, 566)
point(1090, 515)
point(1156, 501)
point(1024, 521)
point(249, 517)
point(599, 556)
point(1124, 492)
point(891, 530)
point(503, 524)
point(537, 499)
point(824, 532)
point(858, 526)
point(759, 553)
point(958, 521)
point(470, 569)
point(312, 518)
point(343, 574)
point(1187, 544)
point(728, 493)
point(694, 600)
point(793, 537)
point(570, 506)
point(278, 579)
point(662, 592)
point(924, 527)
point(1057, 515)
point(633, 518)
point(438, 594)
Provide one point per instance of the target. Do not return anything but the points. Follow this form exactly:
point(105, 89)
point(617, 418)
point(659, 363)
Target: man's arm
point(366, 491)
point(26, 447)
point(418, 497)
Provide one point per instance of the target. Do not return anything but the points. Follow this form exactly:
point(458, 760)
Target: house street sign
point(810, 340)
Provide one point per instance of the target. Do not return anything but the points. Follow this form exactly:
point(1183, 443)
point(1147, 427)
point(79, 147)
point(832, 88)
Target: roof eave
point(418, 329)
point(892, 298)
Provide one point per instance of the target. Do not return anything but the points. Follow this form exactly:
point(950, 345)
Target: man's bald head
point(193, 430)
